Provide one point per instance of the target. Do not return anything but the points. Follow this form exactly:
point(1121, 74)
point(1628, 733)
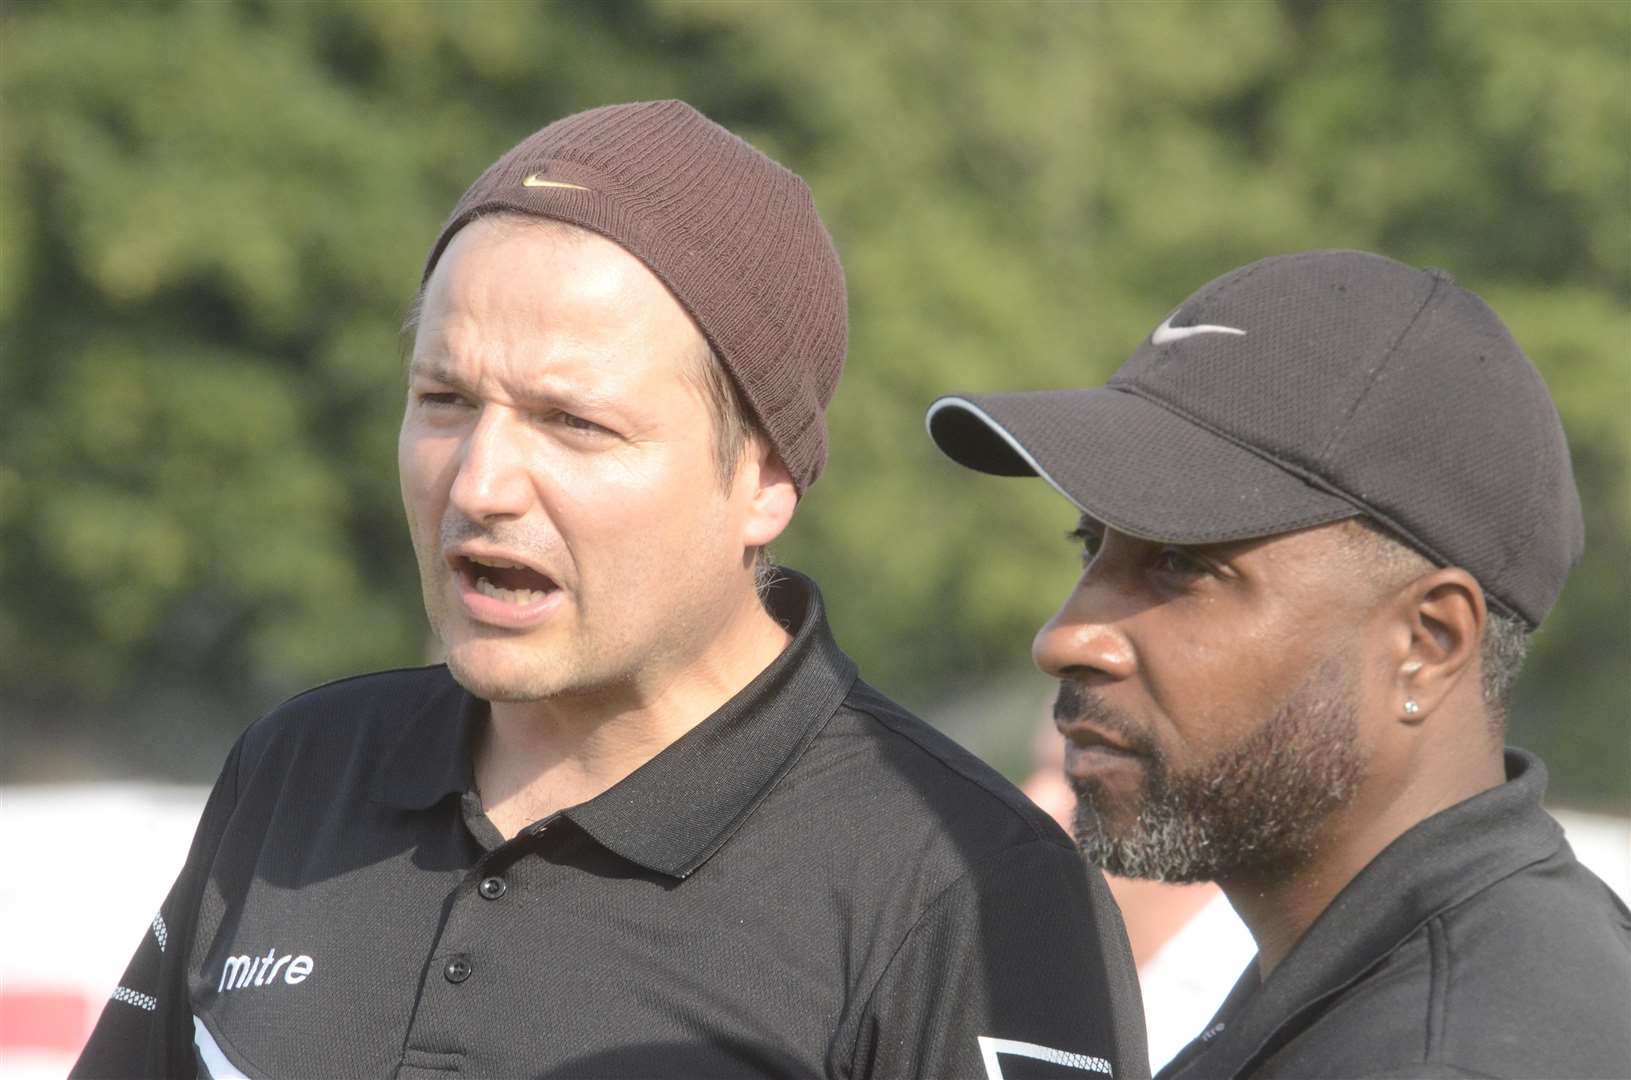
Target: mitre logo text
point(242, 971)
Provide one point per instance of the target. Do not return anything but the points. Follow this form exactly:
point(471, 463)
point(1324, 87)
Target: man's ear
point(1444, 616)
point(771, 494)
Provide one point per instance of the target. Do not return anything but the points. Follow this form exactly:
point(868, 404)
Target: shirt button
point(457, 970)
point(492, 888)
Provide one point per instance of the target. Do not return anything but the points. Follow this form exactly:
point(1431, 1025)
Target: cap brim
point(1132, 464)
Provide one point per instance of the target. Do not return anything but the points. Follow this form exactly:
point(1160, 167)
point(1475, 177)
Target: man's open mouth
point(505, 581)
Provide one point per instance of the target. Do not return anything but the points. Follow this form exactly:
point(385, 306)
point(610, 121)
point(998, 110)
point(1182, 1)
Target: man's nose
point(1082, 641)
point(493, 480)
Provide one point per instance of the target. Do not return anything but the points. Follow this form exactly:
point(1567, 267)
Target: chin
point(1107, 820)
point(1115, 793)
point(493, 672)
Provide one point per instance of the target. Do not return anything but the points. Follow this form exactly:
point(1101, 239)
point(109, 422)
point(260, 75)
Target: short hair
point(733, 421)
point(735, 427)
point(1391, 562)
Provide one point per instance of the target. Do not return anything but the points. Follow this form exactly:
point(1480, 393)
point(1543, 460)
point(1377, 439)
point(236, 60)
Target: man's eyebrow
point(1088, 525)
point(1221, 550)
point(434, 368)
point(546, 391)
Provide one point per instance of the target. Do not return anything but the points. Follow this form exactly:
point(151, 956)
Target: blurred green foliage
point(213, 215)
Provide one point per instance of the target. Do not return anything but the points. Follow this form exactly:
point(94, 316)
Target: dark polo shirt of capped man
point(647, 820)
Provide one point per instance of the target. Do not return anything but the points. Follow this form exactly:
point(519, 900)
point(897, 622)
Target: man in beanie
point(1322, 507)
point(646, 820)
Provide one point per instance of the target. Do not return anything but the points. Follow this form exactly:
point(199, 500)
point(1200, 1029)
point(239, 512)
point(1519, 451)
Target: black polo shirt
point(1474, 945)
point(811, 882)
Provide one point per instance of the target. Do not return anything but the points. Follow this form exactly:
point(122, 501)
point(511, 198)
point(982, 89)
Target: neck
point(535, 758)
point(1278, 906)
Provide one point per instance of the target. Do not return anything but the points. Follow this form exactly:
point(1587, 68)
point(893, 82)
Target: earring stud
point(1410, 707)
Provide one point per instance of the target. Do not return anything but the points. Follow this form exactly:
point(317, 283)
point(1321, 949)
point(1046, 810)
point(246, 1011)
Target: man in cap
point(646, 821)
point(1322, 506)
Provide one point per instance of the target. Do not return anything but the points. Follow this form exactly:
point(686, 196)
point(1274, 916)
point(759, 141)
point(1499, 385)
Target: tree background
point(213, 215)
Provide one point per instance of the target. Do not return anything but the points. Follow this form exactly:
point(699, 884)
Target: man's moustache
point(457, 529)
point(1076, 703)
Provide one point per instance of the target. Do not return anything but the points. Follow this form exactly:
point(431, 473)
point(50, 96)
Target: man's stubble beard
point(584, 658)
point(1256, 806)
point(533, 673)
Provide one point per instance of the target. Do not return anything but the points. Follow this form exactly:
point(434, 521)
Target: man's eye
point(578, 423)
point(1087, 539)
point(1174, 560)
point(441, 398)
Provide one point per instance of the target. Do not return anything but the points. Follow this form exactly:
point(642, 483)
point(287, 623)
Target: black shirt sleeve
point(1018, 969)
point(146, 1027)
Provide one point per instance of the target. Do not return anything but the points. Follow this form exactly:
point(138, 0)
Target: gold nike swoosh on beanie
point(536, 181)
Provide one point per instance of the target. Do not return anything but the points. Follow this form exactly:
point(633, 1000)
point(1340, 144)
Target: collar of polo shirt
point(680, 807)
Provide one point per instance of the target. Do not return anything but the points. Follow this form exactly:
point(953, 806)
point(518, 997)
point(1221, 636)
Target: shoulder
point(1550, 925)
point(923, 772)
point(1539, 966)
point(349, 711)
point(905, 813)
point(993, 924)
point(326, 752)
point(1530, 976)
point(1554, 909)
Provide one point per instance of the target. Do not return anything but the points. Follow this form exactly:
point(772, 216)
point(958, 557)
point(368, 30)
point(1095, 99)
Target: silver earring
point(1410, 707)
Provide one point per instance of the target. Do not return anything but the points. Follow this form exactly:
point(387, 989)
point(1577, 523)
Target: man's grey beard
point(1254, 807)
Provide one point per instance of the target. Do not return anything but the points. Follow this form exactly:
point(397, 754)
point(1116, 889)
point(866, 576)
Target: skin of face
point(550, 425)
point(1178, 660)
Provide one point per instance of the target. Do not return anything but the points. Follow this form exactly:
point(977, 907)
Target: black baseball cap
point(1304, 389)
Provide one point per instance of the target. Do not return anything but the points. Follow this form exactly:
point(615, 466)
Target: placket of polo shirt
point(479, 921)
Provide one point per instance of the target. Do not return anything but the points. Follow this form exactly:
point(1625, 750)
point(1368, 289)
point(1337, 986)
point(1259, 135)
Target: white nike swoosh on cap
point(536, 181)
point(1166, 333)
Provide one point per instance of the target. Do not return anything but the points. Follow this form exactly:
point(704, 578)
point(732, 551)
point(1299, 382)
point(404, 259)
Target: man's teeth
point(509, 596)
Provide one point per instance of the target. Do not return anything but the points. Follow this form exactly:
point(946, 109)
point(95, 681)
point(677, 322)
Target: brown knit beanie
point(733, 235)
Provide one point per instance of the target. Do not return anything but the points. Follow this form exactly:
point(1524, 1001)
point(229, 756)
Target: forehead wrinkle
point(507, 315)
point(527, 380)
